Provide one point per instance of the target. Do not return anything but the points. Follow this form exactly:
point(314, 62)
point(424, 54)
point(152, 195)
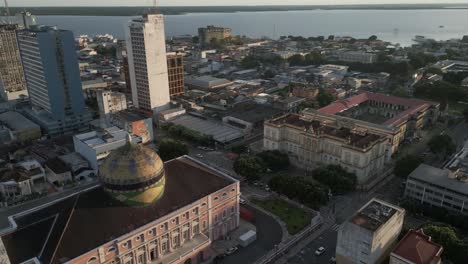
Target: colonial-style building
point(311, 142)
point(144, 211)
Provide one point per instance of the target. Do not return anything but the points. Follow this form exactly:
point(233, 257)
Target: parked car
point(319, 251)
point(231, 251)
point(242, 201)
point(333, 260)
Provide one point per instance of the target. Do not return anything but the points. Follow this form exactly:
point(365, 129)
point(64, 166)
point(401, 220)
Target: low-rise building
point(58, 172)
point(96, 145)
point(416, 248)
point(207, 83)
point(135, 123)
point(439, 187)
point(110, 102)
point(210, 33)
point(357, 56)
point(369, 235)
point(21, 129)
point(311, 142)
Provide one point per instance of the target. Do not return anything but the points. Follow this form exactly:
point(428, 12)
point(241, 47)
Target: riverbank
point(180, 10)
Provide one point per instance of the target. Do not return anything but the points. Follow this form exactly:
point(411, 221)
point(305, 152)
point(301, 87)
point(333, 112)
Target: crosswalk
point(335, 227)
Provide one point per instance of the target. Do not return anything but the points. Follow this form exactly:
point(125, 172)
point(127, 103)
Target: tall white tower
point(146, 47)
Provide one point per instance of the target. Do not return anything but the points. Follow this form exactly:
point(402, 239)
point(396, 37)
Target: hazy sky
point(213, 2)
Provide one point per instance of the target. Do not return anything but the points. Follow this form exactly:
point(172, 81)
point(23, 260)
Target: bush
point(336, 178)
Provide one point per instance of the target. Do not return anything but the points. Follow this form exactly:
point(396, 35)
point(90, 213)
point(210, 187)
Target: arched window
point(92, 260)
point(110, 250)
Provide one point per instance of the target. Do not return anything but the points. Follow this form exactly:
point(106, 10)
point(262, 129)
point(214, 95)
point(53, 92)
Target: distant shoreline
point(180, 10)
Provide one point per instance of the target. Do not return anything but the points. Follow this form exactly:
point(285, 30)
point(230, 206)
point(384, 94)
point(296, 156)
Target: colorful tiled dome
point(133, 174)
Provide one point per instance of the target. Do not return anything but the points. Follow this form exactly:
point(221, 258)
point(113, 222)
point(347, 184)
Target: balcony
point(199, 241)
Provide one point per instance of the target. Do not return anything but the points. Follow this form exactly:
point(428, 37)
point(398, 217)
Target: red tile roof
point(418, 248)
point(414, 105)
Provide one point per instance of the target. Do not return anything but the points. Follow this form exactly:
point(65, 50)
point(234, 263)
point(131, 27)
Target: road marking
point(335, 227)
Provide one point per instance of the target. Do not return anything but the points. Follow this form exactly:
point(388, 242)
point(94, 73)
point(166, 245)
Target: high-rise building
point(370, 234)
point(175, 69)
point(12, 83)
point(206, 35)
point(146, 49)
point(26, 19)
point(53, 79)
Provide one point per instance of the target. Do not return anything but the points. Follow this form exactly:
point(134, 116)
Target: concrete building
point(416, 248)
point(207, 83)
point(369, 236)
point(19, 180)
point(95, 146)
point(53, 79)
point(439, 187)
point(58, 172)
point(175, 70)
point(396, 118)
point(12, 83)
point(147, 60)
point(357, 56)
point(20, 128)
point(110, 102)
point(135, 123)
point(311, 142)
point(206, 35)
point(171, 215)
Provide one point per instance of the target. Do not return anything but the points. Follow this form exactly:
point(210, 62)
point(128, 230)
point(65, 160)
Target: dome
point(133, 174)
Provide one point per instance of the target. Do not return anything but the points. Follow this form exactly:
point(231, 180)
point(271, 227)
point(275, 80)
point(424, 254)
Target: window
point(224, 194)
point(232, 210)
point(204, 223)
point(195, 210)
point(216, 219)
point(110, 250)
point(224, 214)
point(92, 260)
point(233, 190)
point(216, 198)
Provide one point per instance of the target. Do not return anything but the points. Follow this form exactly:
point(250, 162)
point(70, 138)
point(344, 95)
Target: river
point(397, 26)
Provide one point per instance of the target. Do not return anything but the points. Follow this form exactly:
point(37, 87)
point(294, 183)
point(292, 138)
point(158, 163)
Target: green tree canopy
point(420, 59)
point(324, 98)
point(251, 167)
point(336, 178)
point(373, 38)
point(275, 159)
point(440, 91)
point(299, 189)
point(404, 166)
point(442, 144)
point(455, 249)
point(400, 92)
point(171, 149)
point(434, 70)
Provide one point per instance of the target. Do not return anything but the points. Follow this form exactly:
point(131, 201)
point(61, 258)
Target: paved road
point(327, 240)
point(268, 235)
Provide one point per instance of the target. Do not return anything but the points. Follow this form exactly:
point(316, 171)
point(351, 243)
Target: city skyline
point(226, 3)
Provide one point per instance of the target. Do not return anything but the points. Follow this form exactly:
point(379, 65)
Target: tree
point(324, 98)
point(373, 38)
point(268, 74)
point(249, 62)
point(434, 70)
point(454, 248)
point(400, 92)
point(465, 114)
point(251, 167)
point(442, 144)
point(419, 60)
point(171, 149)
point(299, 189)
point(405, 165)
point(336, 178)
point(297, 60)
point(274, 159)
point(195, 39)
point(440, 91)
point(455, 77)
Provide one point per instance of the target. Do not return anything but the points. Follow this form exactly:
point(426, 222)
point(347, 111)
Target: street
point(268, 235)
point(326, 240)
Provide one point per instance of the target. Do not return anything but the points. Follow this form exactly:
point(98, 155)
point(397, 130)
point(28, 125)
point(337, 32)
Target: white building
point(94, 146)
point(357, 56)
point(147, 61)
point(369, 236)
point(110, 102)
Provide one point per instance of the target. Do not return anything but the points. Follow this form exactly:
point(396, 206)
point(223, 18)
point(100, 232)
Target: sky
point(216, 2)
